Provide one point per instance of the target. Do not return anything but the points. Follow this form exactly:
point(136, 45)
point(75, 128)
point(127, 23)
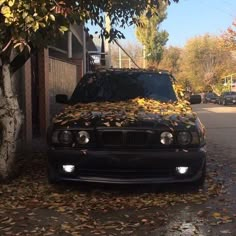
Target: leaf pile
point(30, 206)
point(125, 113)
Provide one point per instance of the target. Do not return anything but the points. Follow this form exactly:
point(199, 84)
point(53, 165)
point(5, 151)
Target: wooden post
point(43, 92)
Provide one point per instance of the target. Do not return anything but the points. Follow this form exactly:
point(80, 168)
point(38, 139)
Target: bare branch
point(7, 45)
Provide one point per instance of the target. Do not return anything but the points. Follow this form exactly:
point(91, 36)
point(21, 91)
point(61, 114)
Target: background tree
point(26, 25)
point(150, 36)
point(229, 37)
point(171, 60)
point(203, 63)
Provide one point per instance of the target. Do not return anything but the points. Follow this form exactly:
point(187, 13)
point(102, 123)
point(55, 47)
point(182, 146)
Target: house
point(49, 72)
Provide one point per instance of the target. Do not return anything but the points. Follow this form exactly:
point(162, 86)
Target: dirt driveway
point(29, 206)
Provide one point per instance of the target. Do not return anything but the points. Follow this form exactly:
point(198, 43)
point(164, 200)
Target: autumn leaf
point(107, 124)
point(216, 215)
point(120, 113)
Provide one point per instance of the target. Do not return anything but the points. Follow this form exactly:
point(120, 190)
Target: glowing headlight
point(182, 170)
point(68, 168)
point(66, 137)
point(184, 138)
point(166, 138)
point(83, 137)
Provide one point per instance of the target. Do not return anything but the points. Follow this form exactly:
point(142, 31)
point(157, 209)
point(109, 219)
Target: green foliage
point(219, 88)
point(33, 24)
point(38, 22)
point(29, 23)
point(149, 35)
point(171, 60)
point(204, 62)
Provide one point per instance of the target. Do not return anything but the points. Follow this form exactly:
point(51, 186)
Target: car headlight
point(166, 138)
point(65, 137)
point(54, 137)
point(83, 137)
point(184, 138)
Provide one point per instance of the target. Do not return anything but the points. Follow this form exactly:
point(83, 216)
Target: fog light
point(182, 170)
point(68, 168)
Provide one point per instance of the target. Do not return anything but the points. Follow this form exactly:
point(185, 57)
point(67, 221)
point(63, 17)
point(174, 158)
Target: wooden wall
point(63, 79)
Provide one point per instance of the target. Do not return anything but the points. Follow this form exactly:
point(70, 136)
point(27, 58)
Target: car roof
point(230, 93)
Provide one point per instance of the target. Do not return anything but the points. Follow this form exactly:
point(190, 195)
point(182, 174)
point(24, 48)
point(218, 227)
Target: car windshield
point(211, 95)
point(230, 93)
point(123, 86)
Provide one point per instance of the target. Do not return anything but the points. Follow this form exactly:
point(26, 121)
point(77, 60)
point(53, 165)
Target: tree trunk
point(10, 124)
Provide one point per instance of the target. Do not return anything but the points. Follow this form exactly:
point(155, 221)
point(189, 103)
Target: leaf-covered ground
point(30, 206)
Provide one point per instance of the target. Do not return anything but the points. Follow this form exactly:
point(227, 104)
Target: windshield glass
point(230, 93)
point(123, 86)
point(210, 95)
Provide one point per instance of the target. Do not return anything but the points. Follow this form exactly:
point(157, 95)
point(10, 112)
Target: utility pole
point(107, 44)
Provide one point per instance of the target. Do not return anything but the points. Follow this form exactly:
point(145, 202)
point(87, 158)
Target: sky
point(190, 18)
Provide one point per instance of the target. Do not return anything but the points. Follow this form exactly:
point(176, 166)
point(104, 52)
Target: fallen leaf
point(216, 215)
point(225, 231)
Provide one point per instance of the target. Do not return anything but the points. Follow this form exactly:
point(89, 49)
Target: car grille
point(125, 138)
point(127, 174)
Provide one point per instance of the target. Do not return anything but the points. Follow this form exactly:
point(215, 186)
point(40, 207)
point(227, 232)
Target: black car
point(127, 127)
point(210, 98)
point(227, 98)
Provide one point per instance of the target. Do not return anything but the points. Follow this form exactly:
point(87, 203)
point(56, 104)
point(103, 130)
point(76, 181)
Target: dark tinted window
point(119, 86)
point(229, 93)
point(211, 95)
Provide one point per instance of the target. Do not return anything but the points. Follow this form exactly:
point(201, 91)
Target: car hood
point(137, 112)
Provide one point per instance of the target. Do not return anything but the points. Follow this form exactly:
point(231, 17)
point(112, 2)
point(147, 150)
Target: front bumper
point(127, 167)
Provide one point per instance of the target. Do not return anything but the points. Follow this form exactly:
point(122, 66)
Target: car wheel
point(52, 176)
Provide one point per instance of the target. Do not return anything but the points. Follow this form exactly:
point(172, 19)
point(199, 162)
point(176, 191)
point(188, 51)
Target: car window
point(158, 87)
point(124, 86)
point(210, 95)
point(229, 93)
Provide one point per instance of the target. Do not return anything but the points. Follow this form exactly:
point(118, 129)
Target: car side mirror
point(195, 99)
point(61, 98)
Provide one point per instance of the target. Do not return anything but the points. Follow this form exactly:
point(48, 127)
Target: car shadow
point(130, 189)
